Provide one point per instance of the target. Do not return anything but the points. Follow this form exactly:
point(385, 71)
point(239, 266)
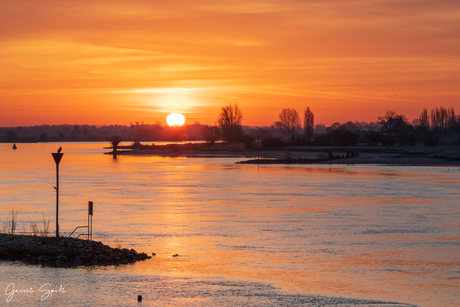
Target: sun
point(175, 120)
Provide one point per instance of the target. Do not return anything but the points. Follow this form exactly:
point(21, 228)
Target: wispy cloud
point(372, 55)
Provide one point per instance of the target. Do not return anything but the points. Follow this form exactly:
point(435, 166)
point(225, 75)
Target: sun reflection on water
point(369, 232)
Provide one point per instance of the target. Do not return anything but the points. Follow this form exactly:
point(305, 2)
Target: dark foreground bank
point(64, 252)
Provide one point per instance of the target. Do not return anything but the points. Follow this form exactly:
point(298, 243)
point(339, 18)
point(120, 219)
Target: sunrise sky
point(115, 62)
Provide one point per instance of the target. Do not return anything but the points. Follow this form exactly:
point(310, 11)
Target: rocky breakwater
point(64, 252)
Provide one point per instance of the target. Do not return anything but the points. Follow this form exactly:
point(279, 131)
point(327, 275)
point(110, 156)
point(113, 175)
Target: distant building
point(396, 130)
point(395, 126)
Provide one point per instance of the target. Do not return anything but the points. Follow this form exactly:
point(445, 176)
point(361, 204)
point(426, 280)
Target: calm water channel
point(269, 236)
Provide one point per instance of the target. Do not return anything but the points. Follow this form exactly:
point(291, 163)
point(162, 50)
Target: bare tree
point(308, 123)
point(451, 120)
point(289, 120)
point(424, 119)
point(115, 141)
point(336, 126)
point(229, 121)
point(211, 134)
point(435, 119)
point(439, 120)
point(382, 120)
point(443, 119)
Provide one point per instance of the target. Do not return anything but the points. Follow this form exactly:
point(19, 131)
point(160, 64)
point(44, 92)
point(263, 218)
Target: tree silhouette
point(289, 120)
point(229, 121)
point(389, 114)
point(211, 134)
point(10, 135)
point(115, 141)
point(451, 119)
point(424, 120)
point(438, 118)
point(308, 123)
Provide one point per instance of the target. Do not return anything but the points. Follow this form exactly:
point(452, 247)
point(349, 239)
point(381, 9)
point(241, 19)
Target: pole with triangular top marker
point(57, 158)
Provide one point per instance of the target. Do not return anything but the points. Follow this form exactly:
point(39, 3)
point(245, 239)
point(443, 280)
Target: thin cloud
point(266, 53)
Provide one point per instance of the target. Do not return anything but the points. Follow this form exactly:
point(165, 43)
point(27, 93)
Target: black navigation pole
point(57, 158)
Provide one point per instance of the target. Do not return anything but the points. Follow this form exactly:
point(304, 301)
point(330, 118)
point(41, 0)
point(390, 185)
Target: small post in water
point(90, 213)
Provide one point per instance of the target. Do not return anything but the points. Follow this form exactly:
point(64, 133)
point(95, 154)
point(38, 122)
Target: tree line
point(288, 129)
point(230, 129)
point(137, 131)
point(440, 120)
point(389, 129)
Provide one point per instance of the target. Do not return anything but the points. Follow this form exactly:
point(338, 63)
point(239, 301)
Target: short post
point(57, 158)
point(90, 214)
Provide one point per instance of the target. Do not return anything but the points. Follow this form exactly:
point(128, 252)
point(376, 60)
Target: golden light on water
point(175, 120)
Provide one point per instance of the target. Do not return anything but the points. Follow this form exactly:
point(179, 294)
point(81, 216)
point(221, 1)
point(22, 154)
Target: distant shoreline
point(416, 156)
point(397, 161)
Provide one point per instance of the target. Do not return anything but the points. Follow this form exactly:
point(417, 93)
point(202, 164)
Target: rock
point(76, 261)
point(51, 251)
point(62, 258)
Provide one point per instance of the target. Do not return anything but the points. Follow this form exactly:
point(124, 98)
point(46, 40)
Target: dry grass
point(12, 223)
point(46, 227)
point(118, 244)
point(35, 230)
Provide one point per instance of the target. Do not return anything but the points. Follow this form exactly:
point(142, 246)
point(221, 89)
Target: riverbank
point(64, 252)
point(377, 155)
point(369, 160)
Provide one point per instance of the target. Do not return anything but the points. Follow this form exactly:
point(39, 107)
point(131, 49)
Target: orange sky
point(115, 62)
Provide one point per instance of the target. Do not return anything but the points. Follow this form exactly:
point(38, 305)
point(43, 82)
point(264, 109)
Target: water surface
point(268, 235)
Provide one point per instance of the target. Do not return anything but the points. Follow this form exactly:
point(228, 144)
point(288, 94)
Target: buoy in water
point(139, 298)
point(14, 146)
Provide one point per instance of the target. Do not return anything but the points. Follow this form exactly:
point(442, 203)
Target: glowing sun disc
point(175, 120)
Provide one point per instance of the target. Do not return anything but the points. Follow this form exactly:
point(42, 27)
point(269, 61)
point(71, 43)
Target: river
point(245, 235)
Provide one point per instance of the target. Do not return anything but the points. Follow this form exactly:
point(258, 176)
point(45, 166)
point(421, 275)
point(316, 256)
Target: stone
point(51, 251)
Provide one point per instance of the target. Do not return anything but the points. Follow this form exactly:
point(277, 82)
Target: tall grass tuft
point(34, 228)
point(44, 231)
point(12, 223)
point(46, 226)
